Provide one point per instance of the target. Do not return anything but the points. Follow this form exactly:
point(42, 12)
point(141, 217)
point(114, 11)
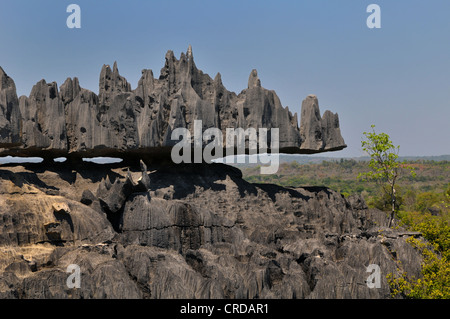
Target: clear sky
point(396, 77)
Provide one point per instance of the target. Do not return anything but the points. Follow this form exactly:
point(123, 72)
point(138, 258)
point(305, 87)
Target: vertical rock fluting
point(77, 122)
point(43, 120)
point(318, 133)
point(9, 112)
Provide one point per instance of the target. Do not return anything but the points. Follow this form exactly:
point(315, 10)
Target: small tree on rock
point(384, 166)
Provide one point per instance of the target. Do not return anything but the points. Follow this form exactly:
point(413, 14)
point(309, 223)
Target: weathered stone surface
point(357, 202)
point(195, 231)
point(122, 122)
point(113, 196)
point(43, 120)
point(10, 131)
point(103, 277)
point(33, 213)
point(172, 224)
point(318, 134)
point(331, 131)
point(144, 180)
point(87, 198)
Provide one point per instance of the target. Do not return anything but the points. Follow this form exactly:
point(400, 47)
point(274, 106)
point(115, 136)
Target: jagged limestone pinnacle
point(189, 52)
point(253, 79)
point(126, 123)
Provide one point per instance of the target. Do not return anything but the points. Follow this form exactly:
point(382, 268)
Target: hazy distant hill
point(307, 159)
point(433, 174)
point(284, 158)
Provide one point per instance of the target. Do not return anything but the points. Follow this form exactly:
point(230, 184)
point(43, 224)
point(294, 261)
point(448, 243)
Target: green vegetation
point(423, 204)
point(384, 165)
point(434, 224)
point(340, 175)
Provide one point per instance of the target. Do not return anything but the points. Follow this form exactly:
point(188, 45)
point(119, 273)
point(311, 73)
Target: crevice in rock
point(115, 218)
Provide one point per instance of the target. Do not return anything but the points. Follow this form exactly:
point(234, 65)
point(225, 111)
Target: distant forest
point(432, 177)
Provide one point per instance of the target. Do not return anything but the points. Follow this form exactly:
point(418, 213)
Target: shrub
point(435, 281)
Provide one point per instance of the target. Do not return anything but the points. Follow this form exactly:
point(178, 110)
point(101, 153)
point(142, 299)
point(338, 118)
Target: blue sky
point(396, 77)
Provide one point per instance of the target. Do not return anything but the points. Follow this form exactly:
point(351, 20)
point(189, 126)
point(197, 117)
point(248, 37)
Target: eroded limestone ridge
point(192, 231)
point(75, 122)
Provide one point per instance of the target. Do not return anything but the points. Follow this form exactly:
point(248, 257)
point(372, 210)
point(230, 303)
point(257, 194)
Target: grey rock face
point(331, 131)
point(113, 196)
point(43, 119)
point(10, 131)
point(318, 134)
point(122, 122)
point(103, 276)
point(172, 225)
point(194, 231)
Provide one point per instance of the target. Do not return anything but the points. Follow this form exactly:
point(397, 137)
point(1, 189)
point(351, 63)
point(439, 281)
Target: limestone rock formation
point(123, 122)
point(194, 231)
point(316, 132)
point(43, 120)
point(10, 131)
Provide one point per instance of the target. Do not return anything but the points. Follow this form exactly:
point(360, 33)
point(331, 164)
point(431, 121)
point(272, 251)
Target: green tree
point(383, 201)
point(384, 165)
